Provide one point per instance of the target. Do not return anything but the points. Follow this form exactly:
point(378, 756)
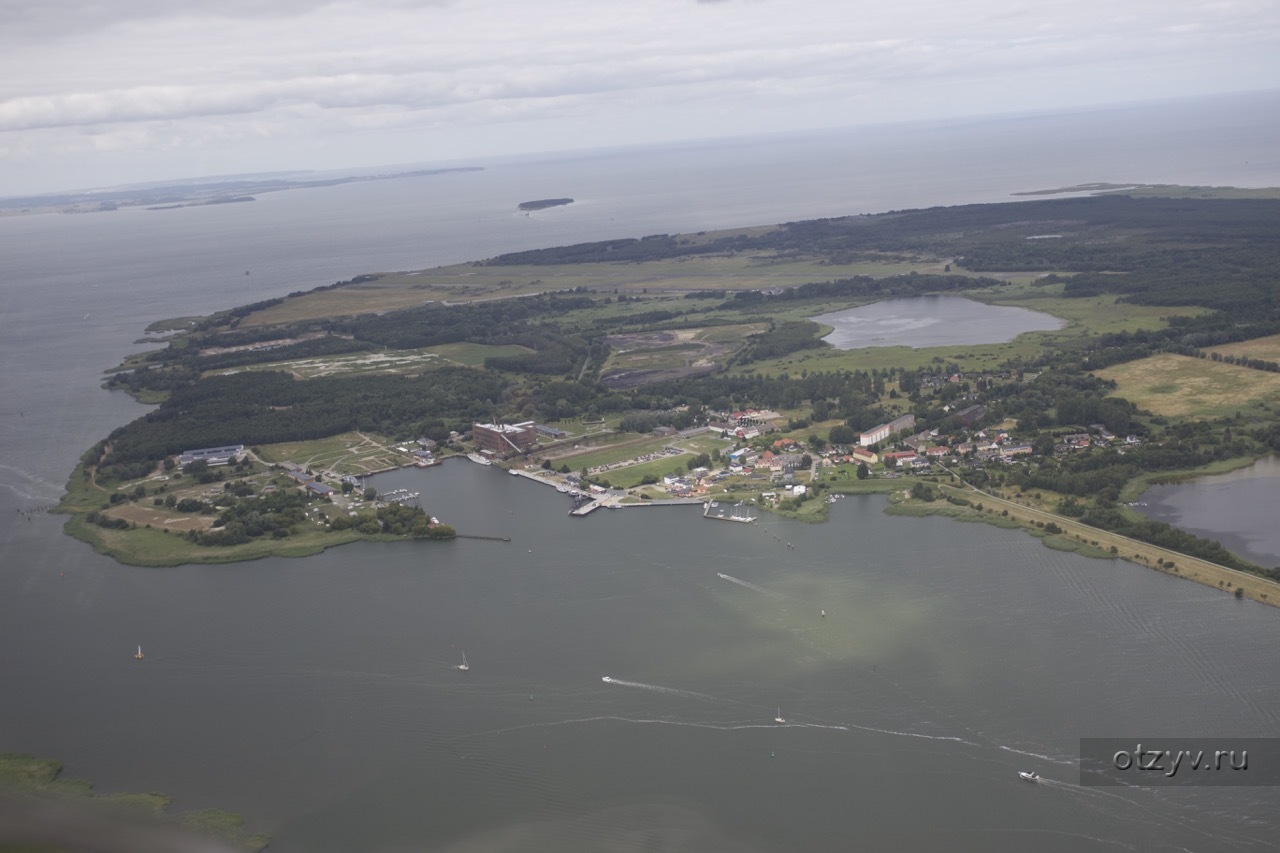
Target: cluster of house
point(747, 460)
point(934, 380)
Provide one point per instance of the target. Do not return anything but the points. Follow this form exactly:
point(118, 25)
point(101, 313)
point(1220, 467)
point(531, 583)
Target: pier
point(720, 516)
point(586, 508)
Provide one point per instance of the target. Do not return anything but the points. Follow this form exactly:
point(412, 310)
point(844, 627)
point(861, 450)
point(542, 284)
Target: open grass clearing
point(348, 453)
point(1195, 388)
point(473, 355)
point(402, 362)
point(472, 282)
point(154, 547)
point(633, 475)
point(637, 447)
point(1267, 349)
point(614, 453)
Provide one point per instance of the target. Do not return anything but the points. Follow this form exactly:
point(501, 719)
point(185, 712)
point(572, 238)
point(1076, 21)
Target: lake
point(931, 321)
point(318, 696)
point(1237, 508)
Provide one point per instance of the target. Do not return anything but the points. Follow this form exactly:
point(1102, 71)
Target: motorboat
point(1028, 777)
point(607, 680)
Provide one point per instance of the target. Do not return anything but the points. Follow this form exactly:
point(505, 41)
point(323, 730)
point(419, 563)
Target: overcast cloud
point(96, 93)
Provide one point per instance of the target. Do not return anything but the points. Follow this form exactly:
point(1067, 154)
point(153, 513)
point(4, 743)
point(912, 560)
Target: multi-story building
point(502, 439)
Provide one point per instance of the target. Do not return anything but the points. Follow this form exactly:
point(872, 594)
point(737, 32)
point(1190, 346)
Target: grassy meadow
point(1180, 386)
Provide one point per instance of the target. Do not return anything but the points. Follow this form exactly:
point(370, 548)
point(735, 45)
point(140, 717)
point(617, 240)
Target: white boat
point(138, 655)
point(779, 719)
point(513, 472)
point(1028, 777)
point(463, 667)
point(607, 680)
point(477, 458)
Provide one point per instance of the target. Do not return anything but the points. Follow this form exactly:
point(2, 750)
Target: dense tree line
point(268, 407)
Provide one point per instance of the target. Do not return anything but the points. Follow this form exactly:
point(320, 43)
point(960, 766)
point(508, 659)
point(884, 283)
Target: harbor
point(740, 512)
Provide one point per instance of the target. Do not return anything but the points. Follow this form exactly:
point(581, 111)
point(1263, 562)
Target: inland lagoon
point(931, 321)
point(1237, 508)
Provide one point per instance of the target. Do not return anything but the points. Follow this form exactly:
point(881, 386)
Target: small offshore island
point(543, 203)
point(638, 382)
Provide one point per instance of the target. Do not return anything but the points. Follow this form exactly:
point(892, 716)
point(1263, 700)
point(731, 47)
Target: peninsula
point(706, 381)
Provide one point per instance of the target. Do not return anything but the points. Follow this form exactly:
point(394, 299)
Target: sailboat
point(138, 655)
point(463, 667)
point(779, 719)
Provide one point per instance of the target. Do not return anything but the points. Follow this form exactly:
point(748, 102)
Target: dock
point(587, 508)
point(720, 516)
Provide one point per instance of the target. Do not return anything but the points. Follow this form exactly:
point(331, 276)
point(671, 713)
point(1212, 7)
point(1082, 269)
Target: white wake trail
point(671, 691)
point(747, 584)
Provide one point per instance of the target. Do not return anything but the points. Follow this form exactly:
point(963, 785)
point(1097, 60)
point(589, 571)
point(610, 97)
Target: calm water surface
point(318, 697)
point(931, 321)
point(1237, 508)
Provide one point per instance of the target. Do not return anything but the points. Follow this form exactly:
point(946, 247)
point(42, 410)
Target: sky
point(97, 93)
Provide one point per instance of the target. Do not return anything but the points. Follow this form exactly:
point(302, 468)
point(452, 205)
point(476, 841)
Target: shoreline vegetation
point(686, 366)
point(59, 804)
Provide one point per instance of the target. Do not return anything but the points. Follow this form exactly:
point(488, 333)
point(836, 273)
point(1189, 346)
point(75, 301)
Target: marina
point(739, 512)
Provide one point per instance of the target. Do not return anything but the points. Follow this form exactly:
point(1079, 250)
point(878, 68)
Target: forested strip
point(268, 407)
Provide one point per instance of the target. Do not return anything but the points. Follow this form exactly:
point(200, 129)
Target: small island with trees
point(542, 203)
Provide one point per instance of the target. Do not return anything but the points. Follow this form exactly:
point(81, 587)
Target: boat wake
point(1064, 761)
point(29, 486)
point(670, 691)
point(747, 584)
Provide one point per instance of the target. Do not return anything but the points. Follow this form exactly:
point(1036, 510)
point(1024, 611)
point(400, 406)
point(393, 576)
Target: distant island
point(541, 203)
point(192, 193)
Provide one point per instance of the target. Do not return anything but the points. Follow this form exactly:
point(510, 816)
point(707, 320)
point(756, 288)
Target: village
point(756, 457)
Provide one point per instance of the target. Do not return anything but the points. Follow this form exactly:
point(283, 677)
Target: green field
point(1267, 349)
point(1196, 388)
point(630, 477)
point(470, 282)
point(612, 453)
